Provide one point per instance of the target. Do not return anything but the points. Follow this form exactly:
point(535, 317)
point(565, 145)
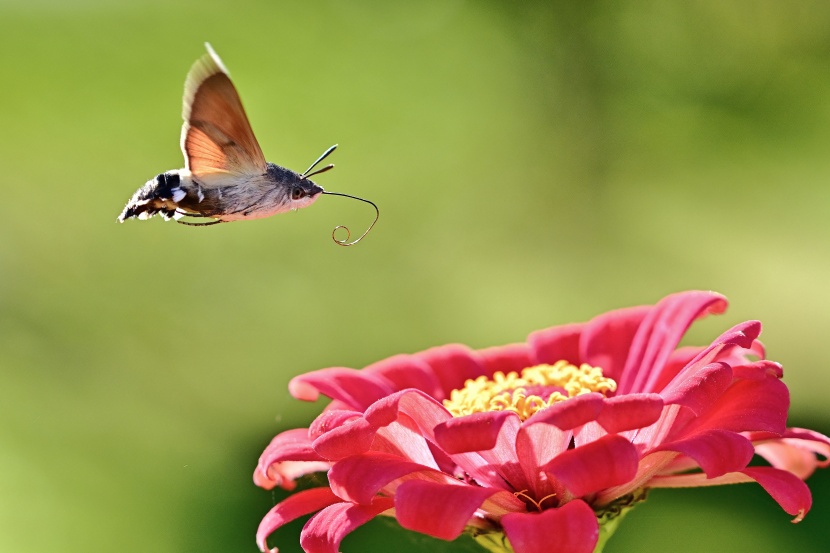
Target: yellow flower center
point(537, 388)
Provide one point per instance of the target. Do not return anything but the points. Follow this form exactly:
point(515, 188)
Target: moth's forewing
point(216, 135)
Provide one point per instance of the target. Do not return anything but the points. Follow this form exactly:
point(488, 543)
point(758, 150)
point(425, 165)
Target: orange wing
point(216, 136)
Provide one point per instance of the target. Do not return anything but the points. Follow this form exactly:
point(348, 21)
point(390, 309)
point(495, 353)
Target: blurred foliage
point(535, 163)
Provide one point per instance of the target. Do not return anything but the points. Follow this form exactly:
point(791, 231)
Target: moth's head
point(303, 193)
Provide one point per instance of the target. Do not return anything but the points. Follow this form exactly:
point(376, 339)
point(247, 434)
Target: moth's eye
point(297, 194)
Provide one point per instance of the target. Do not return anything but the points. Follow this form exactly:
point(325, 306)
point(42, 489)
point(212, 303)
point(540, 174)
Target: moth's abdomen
point(159, 196)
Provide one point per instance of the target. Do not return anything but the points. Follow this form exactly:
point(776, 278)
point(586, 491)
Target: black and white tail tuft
point(158, 196)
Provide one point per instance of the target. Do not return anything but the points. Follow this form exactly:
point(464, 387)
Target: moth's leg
point(202, 215)
point(189, 214)
point(216, 222)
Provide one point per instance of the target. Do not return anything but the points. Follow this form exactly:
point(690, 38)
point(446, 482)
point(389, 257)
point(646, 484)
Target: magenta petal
point(606, 340)
point(567, 415)
point(610, 461)
point(291, 508)
point(629, 412)
point(291, 446)
point(509, 358)
point(440, 510)
point(782, 454)
point(787, 490)
point(759, 370)
point(407, 371)
point(497, 465)
point(716, 451)
point(341, 441)
point(701, 389)
point(325, 530)
point(356, 389)
point(797, 451)
point(425, 411)
point(536, 445)
point(359, 478)
point(740, 337)
point(679, 359)
point(453, 365)
point(556, 344)
point(476, 432)
point(572, 528)
point(749, 405)
point(660, 333)
point(356, 436)
point(330, 419)
point(811, 440)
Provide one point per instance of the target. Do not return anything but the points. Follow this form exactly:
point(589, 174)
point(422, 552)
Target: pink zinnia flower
point(546, 442)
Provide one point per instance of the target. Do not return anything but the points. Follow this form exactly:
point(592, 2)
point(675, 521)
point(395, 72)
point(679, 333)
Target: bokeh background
point(535, 163)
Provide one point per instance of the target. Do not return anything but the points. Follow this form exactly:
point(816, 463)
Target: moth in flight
point(225, 176)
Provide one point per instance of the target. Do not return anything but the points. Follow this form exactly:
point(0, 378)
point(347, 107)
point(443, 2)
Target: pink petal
point(291, 508)
point(557, 343)
point(572, 528)
point(606, 340)
point(407, 371)
point(536, 445)
point(286, 473)
point(442, 510)
point(695, 480)
point(701, 389)
point(749, 405)
point(422, 409)
point(356, 389)
point(815, 441)
point(404, 439)
point(548, 433)
point(758, 370)
point(361, 477)
point(331, 419)
point(509, 358)
point(453, 365)
point(288, 456)
point(678, 359)
point(356, 436)
point(500, 464)
point(610, 461)
point(325, 530)
point(795, 452)
point(497, 466)
point(787, 490)
point(567, 415)
point(730, 348)
point(782, 455)
point(476, 432)
point(629, 412)
point(660, 333)
point(740, 356)
point(349, 439)
point(716, 451)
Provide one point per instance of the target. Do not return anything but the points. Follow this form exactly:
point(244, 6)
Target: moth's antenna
point(345, 241)
point(318, 171)
point(306, 173)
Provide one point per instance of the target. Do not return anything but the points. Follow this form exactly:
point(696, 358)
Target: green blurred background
point(535, 164)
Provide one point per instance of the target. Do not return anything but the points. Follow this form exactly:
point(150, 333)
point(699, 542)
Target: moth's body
point(226, 177)
point(177, 193)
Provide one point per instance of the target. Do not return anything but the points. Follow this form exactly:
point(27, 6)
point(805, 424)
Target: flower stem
point(495, 542)
point(612, 514)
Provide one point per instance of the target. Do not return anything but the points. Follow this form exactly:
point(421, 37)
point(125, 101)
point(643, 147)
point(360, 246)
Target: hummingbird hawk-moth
point(225, 176)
